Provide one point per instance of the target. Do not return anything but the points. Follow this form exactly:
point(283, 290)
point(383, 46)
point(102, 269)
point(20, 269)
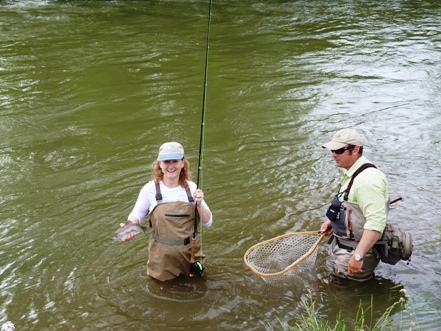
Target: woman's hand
point(205, 213)
point(130, 235)
point(198, 196)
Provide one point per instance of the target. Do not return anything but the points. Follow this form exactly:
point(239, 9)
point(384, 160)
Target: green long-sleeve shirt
point(370, 192)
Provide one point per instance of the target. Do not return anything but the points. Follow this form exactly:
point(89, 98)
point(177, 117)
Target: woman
point(174, 207)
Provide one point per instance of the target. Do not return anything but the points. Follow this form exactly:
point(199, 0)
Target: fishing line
point(197, 267)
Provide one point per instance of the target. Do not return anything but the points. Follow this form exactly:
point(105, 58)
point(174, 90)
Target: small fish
point(122, 233)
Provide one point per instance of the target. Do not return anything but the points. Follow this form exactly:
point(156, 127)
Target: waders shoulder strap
point(189, 196)
point(356, 173)
point(158, 193)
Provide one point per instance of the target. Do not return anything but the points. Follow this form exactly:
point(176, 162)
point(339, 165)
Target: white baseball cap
point(170, 151)
point(342, 138)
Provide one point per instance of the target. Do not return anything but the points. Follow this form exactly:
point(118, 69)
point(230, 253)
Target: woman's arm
point(143, 204)
point(203, 209)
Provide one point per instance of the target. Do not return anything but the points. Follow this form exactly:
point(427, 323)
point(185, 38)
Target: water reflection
point(89, 89)
point(181, 290)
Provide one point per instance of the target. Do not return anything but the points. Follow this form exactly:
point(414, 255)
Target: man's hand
point(326, 228)
point(354, 267)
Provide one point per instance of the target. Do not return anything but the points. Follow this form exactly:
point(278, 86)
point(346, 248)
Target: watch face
point(358, 257)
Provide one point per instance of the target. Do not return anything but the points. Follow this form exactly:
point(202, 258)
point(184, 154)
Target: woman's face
point(171, 168)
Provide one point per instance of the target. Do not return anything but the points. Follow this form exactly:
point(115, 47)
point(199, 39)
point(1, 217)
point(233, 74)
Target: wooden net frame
point(283, 256)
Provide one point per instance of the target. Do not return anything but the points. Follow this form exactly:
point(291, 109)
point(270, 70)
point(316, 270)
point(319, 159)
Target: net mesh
point(283, 256)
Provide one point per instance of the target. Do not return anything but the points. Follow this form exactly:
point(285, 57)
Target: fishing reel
point(196, 268)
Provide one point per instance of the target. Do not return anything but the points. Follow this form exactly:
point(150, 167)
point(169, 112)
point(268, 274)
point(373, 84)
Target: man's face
point(345, 157)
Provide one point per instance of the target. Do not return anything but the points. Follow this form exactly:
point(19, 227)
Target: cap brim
point(333, 145)
point(170, 157)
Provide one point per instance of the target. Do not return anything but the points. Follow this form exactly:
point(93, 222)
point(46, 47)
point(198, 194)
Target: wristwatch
point(358, 257)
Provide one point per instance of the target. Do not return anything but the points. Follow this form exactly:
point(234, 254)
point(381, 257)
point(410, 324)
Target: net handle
point(292, 265)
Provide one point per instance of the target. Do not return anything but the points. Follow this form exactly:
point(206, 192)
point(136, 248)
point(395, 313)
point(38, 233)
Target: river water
point(90, 89)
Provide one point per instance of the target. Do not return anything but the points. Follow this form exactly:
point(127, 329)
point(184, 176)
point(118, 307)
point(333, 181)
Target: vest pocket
point(177, 215)
point(342, 226)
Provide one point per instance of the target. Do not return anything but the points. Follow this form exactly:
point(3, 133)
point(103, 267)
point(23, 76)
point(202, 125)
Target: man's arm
point(367, 241)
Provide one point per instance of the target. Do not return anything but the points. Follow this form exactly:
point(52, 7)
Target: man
point(360, 220)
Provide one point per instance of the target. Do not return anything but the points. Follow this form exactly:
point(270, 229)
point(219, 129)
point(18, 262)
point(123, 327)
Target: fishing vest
point(347, 219)
point(173, 226)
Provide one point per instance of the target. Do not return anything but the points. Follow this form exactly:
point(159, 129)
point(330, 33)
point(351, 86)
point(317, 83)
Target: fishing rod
point(204, 99)
point(196, 267)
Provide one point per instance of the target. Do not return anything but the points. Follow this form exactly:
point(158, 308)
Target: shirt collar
point(362, 160)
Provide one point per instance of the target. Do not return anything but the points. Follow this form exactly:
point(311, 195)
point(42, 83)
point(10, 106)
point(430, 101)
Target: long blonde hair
point(185, 174)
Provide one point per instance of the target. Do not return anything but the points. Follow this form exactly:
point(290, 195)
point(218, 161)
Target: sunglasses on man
point(342, 150)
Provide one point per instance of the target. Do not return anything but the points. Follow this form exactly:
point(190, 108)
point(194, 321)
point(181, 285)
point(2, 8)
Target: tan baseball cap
point(342, 138)
point(170, 151)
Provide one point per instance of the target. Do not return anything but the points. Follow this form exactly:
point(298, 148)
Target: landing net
point(283, 256)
